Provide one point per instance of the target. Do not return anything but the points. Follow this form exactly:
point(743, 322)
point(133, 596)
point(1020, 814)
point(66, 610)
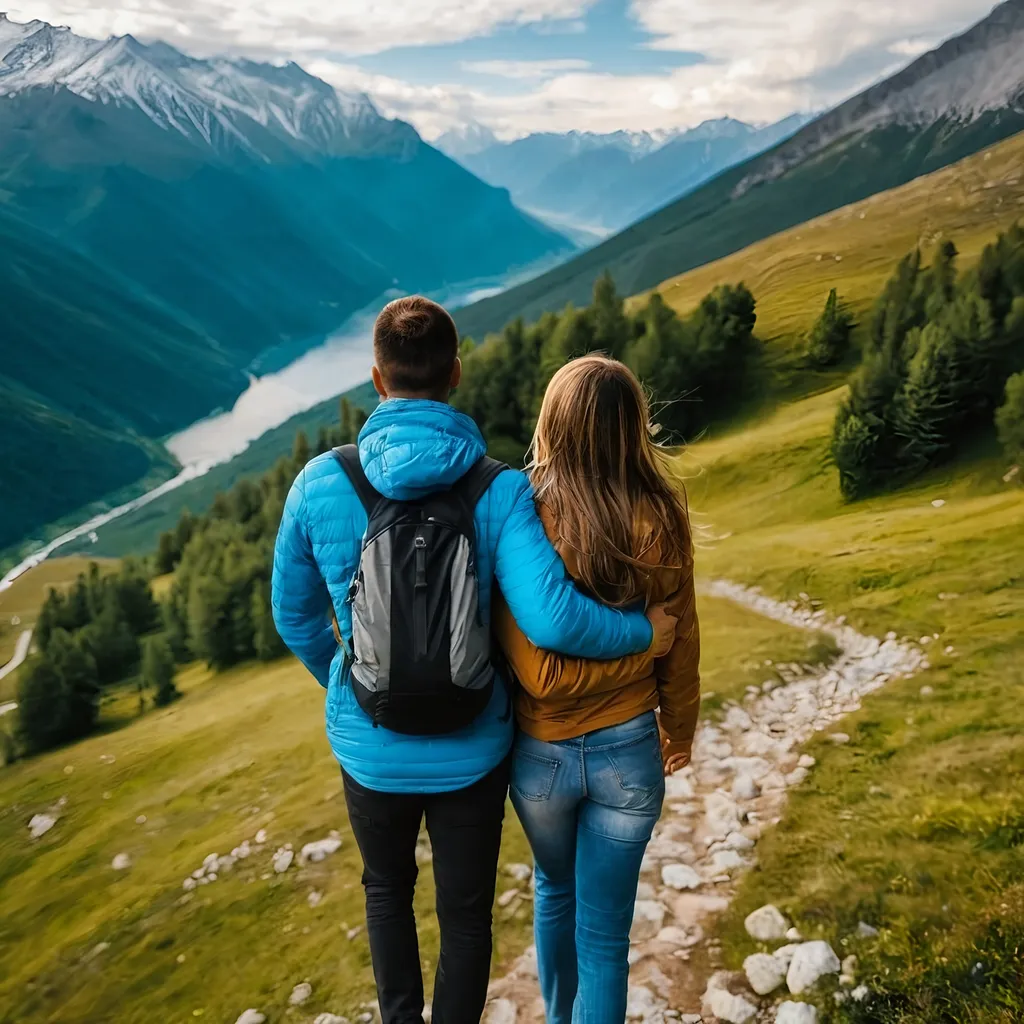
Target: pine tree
point(611, 326)
point(158, 671)
point(266, 642)
point(1010, 418)
point(301, 452)
point(829, 340)
point(348, 434)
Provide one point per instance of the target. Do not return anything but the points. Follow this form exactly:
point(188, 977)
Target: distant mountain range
point(605, 182)
point(951, 102)
point(165, 220)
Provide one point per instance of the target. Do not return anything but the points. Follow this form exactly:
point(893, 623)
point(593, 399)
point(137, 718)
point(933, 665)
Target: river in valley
point(339, 364)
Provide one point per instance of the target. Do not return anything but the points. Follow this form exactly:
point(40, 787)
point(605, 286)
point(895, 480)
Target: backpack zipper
point(420, 595)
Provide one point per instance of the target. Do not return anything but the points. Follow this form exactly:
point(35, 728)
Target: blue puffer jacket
point(410, 448)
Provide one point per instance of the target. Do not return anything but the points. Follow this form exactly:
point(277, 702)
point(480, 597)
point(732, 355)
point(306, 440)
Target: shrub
point(158, 671)
point(829, 340)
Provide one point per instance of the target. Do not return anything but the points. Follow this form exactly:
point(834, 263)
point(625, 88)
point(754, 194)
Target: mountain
point(465, 140)
point(609, 181)
point(951, 102)
point(222, 208)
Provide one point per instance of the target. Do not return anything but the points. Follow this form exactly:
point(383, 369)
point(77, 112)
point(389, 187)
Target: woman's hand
point(664, 626)
point(675, 754)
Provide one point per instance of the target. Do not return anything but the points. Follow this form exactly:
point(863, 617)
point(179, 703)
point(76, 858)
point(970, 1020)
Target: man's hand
point(664, 626)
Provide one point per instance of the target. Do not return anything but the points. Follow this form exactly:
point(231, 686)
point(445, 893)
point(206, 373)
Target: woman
point(589, 764)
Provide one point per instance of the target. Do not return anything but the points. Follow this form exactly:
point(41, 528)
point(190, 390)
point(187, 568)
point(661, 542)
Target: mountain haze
point(609, 181)
point(956, 100)
point(220, 208)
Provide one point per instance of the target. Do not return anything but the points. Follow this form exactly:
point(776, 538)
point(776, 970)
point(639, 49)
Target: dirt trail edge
point(717, 808)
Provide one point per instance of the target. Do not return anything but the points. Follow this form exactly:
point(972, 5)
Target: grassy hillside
point(855, 249)
point(918, 822)
point(84, 944)
point(718, 219)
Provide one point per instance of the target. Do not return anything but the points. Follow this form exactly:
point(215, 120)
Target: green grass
point(240, 751)
point(917, 825)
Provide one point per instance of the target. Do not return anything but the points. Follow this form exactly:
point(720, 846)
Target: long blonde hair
point(596, 465)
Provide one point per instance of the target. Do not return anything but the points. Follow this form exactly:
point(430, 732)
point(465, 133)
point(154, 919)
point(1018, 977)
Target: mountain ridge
point(885, 136)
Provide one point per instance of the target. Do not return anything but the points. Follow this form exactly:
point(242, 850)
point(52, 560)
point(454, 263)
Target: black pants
point(465, 835)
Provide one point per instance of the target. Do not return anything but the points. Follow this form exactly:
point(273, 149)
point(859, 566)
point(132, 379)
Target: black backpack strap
point(472, 487)
point(348, 457)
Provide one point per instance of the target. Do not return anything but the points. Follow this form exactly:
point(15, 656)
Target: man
point(412, 447)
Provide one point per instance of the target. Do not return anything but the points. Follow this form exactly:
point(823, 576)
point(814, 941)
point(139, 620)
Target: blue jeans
point(589, 806)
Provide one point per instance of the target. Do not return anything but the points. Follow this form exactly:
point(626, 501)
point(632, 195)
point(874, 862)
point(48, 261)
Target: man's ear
point(456, 374)
point(378, 383)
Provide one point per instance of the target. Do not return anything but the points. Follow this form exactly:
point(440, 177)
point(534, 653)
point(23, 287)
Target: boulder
point(766, 924)
point(317, 851)
point(811, 962)
point(726, 860)
point(648, 917)
point(680, 876)
point(796, 1013)
point(727, 1007)
point(283, 860)
point(300, 994)
point(764, 972)
point(784, 954)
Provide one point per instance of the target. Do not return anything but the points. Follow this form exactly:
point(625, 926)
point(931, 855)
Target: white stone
point(317, 851)
point(784, 954)
point(796, 1013)
point(642, 1003)
point(283, 861)
point(501, 1011)
point(727, 1007)
point(122, 862)
point(40, 824)
point(738, 841)
point(764, 972)
point(866, 931)
point(745, 788)
point(674, 935)
point(680, 876)
point(520, 872)
point(938, 502)
point(806, 761)
point(645, 891)
point(314, 898)
point(141, 820)
point(210, 862)
point(849, 966)
point(189, 884)
point(300, 993)
point(678, 787)
point(251, 1017)
point(648, 917)
point(797, 776)
point(330, 1018)
point(811, 962)
point(793, 935)
point(726, 860)
point(926, 691)
point(260, 837)
point(691, 1018)
point(507, 897)
point(766, 924)
point(860, 993)
point(839, 738)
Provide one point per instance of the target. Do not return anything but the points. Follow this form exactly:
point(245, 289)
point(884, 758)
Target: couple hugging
point(496, 631)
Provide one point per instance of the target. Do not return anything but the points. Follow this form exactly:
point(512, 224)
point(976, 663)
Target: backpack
point(421, 654)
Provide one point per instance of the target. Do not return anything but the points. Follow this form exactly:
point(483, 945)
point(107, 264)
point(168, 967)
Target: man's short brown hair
point(415, 345)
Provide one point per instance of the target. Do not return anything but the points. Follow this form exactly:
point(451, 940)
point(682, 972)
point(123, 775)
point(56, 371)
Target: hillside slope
point(950, 103)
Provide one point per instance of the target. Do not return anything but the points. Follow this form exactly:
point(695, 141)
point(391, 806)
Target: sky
point(519, 66)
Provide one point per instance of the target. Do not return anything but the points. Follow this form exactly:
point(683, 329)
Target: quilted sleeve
point(544, 600)
point(300, 598)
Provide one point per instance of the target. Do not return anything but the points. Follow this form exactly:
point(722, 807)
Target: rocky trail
point(716, 809)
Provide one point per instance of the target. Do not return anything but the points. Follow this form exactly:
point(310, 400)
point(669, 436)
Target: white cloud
point(763, 59)
point(296, 28)
point(523, 69)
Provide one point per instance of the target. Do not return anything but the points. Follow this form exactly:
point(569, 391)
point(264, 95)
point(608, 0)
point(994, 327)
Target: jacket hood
point(412, 447)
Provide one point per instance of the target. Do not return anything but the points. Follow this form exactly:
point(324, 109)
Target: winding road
point(20, 654)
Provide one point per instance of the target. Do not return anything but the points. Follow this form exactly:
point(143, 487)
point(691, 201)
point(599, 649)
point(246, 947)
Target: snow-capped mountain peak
point(216, 100)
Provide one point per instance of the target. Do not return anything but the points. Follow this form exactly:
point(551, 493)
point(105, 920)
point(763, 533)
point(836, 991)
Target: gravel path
point(717, 808)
